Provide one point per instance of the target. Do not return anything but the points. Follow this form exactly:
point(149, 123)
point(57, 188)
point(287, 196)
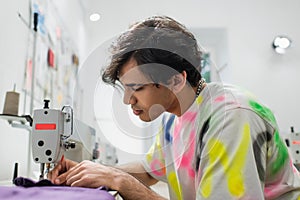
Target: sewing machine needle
point(42, 169)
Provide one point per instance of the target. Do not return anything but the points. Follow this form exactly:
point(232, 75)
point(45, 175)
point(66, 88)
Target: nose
point(129, 98)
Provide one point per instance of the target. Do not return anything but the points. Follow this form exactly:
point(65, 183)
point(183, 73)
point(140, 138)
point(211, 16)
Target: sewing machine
point(293, 143)
point(50, 132)
point(55, 135)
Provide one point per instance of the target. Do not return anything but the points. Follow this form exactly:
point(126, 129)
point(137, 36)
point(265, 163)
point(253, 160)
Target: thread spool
point(11, 105)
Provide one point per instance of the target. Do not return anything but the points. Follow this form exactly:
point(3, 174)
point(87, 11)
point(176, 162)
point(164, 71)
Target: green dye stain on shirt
point(263, 111)
point(282, 154)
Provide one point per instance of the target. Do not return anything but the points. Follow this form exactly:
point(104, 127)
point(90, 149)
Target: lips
point(137, 111)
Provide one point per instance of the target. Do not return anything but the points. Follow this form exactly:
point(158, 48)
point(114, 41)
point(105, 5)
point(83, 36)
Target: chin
point(149, 118)
point(145, 119)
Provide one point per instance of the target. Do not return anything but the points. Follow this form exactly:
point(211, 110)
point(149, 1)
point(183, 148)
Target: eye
point(137, 88)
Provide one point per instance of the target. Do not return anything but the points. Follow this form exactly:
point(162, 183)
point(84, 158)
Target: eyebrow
point(133, 84)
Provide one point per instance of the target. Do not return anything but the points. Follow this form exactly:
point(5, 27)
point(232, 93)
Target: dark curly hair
point(157, 41)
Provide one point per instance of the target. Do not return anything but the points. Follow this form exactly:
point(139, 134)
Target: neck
point(184, 100)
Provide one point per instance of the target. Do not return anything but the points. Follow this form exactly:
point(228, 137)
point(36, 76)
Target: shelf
point(16, 118)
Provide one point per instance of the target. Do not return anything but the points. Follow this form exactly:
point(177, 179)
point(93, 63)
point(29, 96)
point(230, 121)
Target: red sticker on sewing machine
point(45, 126)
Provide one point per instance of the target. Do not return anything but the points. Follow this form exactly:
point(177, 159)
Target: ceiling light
point(94, 17)
point(281, 43)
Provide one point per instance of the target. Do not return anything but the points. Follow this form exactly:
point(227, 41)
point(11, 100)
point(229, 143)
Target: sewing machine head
point(50, 132)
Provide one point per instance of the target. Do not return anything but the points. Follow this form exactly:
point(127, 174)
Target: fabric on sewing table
point(28, 189)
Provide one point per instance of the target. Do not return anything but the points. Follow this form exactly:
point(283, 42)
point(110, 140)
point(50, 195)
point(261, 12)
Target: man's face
point(147, 99)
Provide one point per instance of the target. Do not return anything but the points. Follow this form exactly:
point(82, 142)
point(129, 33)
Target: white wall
point(14, 37)
point(250, 27)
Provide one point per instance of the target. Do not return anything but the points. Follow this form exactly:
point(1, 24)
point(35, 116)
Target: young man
point(216, 141)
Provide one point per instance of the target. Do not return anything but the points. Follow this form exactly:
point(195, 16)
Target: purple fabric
point(27, 189)
point(26, 182)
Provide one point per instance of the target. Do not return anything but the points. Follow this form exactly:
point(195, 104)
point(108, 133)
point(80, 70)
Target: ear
point(178, 81)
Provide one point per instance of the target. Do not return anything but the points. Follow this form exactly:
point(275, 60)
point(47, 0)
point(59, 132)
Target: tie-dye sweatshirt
point(225, 146)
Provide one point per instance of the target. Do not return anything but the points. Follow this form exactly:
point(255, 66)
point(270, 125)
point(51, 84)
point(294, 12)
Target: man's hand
point(93, 175)
point(85, 174)
point(62, 169)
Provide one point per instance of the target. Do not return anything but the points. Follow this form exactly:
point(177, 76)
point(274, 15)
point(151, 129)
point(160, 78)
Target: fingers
point(75, 173)
point(52, 175)
point(70, 163)
point(84, 175)
point(85, 179)
point(73, 179)
point(61, 170)
point(61, 179)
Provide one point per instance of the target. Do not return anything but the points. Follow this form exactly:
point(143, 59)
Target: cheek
point(156, 110)
point(160, 100)
point(157, 98)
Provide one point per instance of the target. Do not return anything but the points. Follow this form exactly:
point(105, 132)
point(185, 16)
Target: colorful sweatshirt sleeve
point(154, 161)
point(228, 162)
